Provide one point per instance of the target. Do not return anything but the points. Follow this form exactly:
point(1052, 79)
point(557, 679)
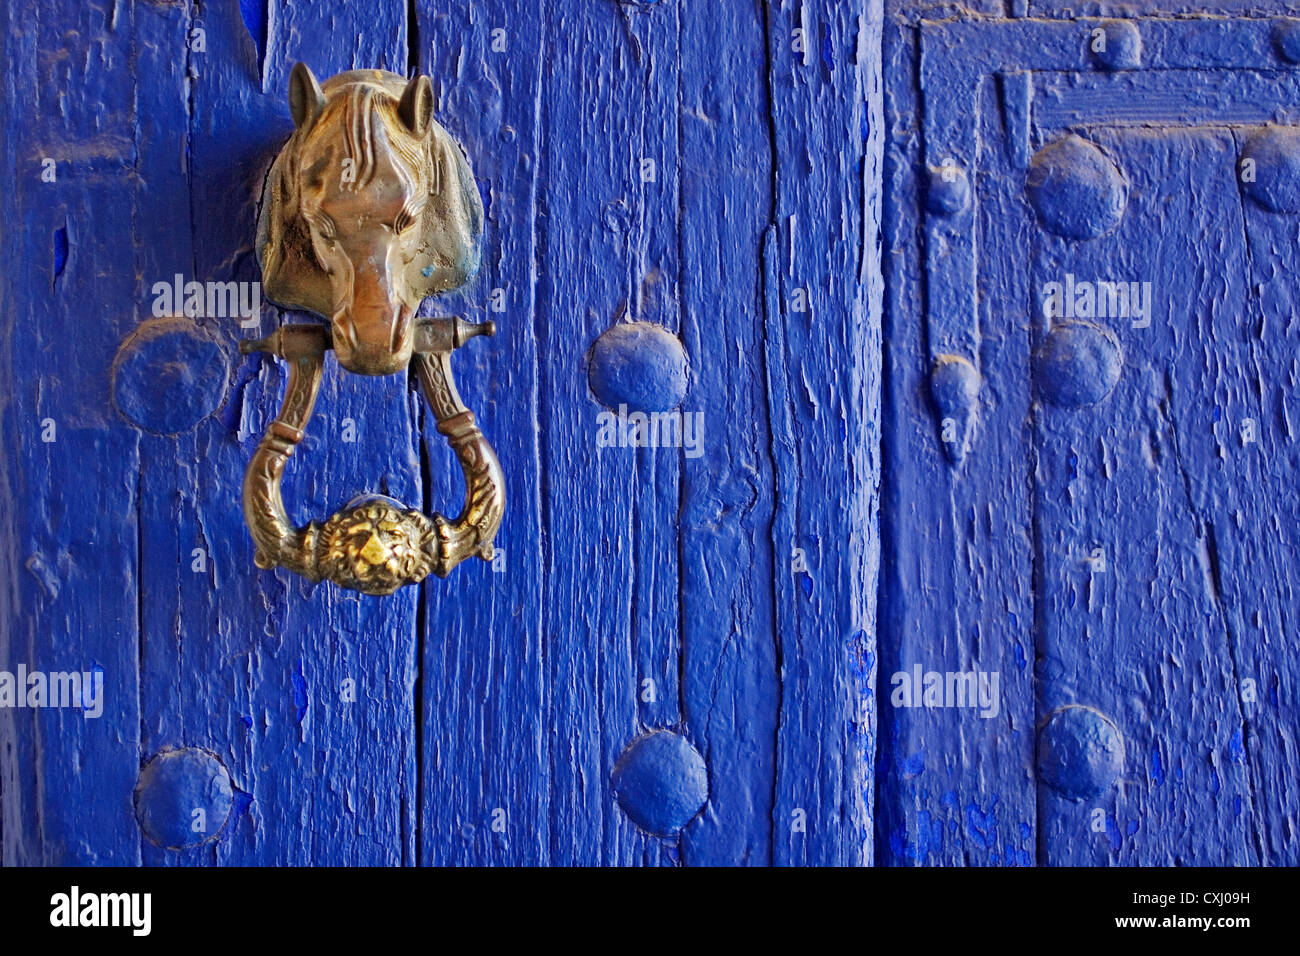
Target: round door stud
point(661, 782)
point(948, 192)
point(1270, 168)
point(1286, 38)
point(1117, 45)
point(640, 366)
point(169, 375)
point(1078, 364)
point(1076, 190)
point(183, 798)
point(1080, 752)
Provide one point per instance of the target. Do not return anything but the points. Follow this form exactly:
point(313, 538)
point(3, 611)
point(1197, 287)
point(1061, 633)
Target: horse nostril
point(346, 330)
point(400, 329)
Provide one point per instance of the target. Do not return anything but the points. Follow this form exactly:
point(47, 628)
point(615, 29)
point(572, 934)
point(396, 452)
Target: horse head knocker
point(369, 209)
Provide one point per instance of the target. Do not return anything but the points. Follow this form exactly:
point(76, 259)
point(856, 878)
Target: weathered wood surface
point(489, 708)
point(1125, 564)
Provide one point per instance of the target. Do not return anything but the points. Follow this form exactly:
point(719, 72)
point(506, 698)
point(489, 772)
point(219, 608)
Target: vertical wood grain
point(1256, 516)
point(953, 787)
point(823, 381)
point(485, 789)
point(71, 518)
point(1178, 640)
point(603, 60)
point(1145, 641)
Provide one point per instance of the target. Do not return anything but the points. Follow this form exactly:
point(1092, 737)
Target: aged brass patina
point(368, 209)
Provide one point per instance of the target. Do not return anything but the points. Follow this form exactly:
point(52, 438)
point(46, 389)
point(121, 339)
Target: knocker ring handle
point(372, 545)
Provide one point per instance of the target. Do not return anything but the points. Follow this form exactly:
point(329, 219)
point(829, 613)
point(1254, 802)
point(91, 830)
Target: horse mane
point(356, 107)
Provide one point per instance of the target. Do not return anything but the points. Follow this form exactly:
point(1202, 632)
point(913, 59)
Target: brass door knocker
point(368, 209)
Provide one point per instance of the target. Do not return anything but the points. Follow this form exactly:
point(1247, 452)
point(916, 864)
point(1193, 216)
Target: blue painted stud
point(1270, 168)
point(169, 375)
point(1286, 38)
point(1122, 46)
point(640, 365)
point(183, 798)
point(1077, 192)
point(949, 190)
point(1080, 752)
point(661, 782)
point(1077, 364)
point(955, 388)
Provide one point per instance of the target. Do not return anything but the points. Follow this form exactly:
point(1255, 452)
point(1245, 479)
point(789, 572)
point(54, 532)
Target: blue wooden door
point(670, 659)
point(1076, 398)
point(1097, 392)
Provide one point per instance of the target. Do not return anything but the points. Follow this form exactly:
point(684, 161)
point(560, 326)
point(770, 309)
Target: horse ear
point(305, 97)
point(415, 109)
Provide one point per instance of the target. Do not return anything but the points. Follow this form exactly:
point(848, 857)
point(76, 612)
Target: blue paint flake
point(60, 250)
point(255, 17)
point(982, 825)
point(929, 835)
point(913, 765)
point(1112, 834)
point(1236, 748)
point(239, 802)
point(300, 692)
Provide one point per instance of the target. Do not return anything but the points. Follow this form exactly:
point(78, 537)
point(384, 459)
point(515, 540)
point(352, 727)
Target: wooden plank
point(1247, 496)
point(252, 665)
point(1141, 639)
point(604, 63)
point(485, 791)
point(954, 787)
point(175, 664)
point(731, 685)
point(1260, 9)
point(70, 561)
point(822, 298)
point(339, 752)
